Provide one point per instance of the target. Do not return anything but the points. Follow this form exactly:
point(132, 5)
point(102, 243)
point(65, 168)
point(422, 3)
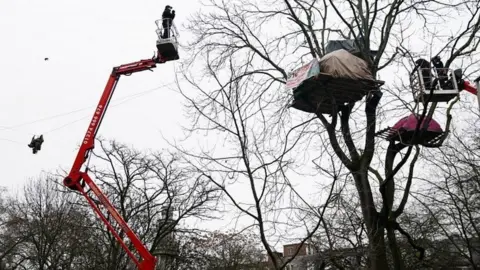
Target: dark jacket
point(168, 14)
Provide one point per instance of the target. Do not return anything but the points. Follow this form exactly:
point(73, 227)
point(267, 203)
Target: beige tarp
point(342, 64)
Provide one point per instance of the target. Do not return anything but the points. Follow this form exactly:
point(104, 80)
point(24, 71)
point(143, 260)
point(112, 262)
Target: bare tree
point(153, 192)
point(259, 148)
point(247, 56)
point(48, 228)
point(341, 243)
point(10, 239)
point(219, 250)
point(451, 200)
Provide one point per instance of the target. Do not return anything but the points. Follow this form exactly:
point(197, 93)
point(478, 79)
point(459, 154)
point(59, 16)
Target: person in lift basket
point(167, 20)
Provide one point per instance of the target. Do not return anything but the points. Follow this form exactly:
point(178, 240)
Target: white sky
point(83, 40)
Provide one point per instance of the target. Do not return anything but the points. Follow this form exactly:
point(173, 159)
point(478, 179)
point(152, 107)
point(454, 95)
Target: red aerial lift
point(470, 87)
point(77, 179)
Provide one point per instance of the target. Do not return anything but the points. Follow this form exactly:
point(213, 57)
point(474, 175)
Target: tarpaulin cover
point(409, 123)
point(342, 64)
point(298, 76)
point(348, 45)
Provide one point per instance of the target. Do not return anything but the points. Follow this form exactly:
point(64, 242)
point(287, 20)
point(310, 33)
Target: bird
point(46, 59)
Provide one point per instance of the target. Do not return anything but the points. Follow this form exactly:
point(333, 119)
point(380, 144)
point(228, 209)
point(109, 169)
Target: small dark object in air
point(46, 59)
point(36, 144)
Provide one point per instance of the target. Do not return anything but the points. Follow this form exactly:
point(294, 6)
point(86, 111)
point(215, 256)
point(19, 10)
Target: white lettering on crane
point(93, 124)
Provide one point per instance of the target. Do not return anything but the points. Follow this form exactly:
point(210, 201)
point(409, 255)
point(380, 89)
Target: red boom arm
point(470, 87)
point(77, 179)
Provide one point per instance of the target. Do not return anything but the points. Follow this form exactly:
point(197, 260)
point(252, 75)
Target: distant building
point(445, 255)
point(269, 262)
point(305, 256)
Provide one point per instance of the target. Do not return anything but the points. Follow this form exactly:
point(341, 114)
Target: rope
point(55, 129)
point(127, 98)
point(8, 140)
point(122, 100)
point(119, 101)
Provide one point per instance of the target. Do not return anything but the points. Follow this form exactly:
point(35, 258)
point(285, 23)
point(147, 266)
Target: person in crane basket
point(443, 78)
point(167, 20)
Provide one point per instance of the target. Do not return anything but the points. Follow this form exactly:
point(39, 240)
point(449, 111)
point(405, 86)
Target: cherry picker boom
point(77, 179)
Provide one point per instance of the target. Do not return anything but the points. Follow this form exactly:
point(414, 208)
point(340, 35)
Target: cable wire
point(8, 140)
point(129, 97)
point(120, 101)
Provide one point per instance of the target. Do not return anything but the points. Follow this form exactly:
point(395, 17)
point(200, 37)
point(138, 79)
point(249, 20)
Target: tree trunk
point(377, 252)
point(396, 255)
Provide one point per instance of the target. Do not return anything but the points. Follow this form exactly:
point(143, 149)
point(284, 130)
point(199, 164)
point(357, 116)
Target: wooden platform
point(406, 137)
point(314, 94)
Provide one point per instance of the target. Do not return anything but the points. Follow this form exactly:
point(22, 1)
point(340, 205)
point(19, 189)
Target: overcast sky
point(83, 40)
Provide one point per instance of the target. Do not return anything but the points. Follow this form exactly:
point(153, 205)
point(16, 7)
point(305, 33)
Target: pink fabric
point(409, 123)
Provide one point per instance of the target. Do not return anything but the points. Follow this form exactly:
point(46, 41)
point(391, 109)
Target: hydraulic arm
point(470, 87)
point(77, 179)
